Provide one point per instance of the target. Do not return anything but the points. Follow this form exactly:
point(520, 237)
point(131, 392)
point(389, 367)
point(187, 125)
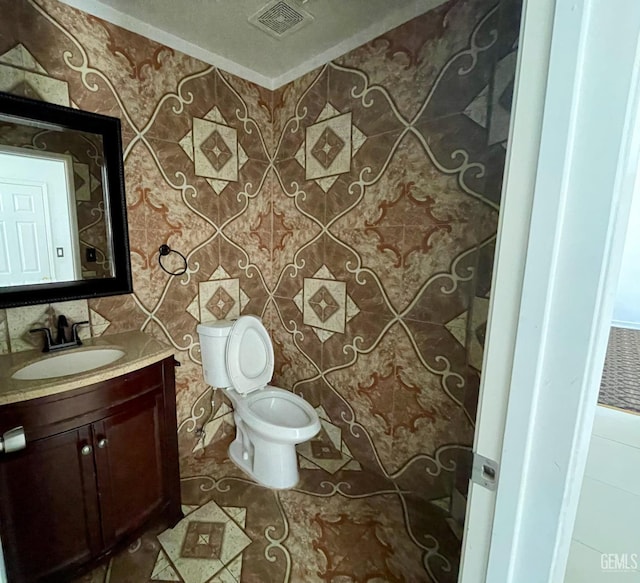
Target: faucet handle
point(48, 341)
point(74, 331)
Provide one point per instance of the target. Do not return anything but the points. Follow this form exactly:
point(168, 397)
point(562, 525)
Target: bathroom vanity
point(100, 460)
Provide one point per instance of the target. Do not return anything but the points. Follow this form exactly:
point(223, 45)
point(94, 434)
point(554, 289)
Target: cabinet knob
point(13, 440)
point(86, 450)
point(102, 443)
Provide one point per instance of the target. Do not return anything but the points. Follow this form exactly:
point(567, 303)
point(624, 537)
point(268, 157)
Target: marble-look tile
point(305, 196)
point(377, 251)
point(294, 341)
point(236, 113)
point(10, 36)
point(142, 70)
point(237, 262)
point(4, 332)
point(20, 320)
point(354, 544)
point(221, 299)
point(203, 543)
point(258, 100)
point(368, 165)
point(297, 358)
point(355, 210)
point(246, 205)
point(364, 287)
point(191, 97)
point(123, 312)
point(287, 98)
point(466, 72)
point(368, 387)
point(427, 411)
point(299, 108)
point(371, 112)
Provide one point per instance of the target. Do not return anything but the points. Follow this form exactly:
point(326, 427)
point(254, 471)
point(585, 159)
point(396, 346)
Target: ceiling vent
point(280, 18)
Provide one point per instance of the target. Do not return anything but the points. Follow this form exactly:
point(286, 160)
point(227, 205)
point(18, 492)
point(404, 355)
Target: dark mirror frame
point(115, 204)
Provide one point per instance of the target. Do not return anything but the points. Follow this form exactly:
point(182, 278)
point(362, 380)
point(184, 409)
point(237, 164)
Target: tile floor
point(606, 539)
point(340, 524)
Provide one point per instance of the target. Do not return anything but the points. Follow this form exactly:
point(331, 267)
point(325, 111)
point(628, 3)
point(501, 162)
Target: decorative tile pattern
point(34, 85)
point(502, 96)
point(215, 149)
point(325, 304)
point(4, 333)
point(221, 298)
point(163, 570)
point(203, 540)
point(327, 450)
point(329, 146)
point(203, 543)
point(84, 181)
point(355, 210)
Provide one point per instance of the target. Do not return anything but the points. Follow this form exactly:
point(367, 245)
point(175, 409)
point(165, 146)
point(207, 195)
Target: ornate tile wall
point(355, 210)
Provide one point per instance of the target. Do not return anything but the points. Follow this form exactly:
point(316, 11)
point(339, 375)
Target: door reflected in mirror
point(53, 225)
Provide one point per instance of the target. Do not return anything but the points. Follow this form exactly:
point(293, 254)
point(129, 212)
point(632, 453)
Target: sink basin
point(67, 363)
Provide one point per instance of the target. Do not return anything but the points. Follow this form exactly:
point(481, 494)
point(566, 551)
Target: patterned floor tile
point(203, 543)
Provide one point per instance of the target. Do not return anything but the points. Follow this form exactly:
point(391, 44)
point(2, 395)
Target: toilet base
point(284, 482)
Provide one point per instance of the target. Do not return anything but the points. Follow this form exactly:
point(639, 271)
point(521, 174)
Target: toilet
point(237, 357)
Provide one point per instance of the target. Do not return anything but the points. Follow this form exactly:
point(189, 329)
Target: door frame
point(555, 342)
point(534, 46)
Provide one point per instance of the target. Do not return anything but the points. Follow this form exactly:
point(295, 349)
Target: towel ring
point(165, 250)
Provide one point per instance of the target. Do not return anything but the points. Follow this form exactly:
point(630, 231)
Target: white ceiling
point(219, 33)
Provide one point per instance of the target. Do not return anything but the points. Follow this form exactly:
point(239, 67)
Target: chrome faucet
point(60, 341)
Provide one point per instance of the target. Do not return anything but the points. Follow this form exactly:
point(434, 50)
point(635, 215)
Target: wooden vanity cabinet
point(99, 464)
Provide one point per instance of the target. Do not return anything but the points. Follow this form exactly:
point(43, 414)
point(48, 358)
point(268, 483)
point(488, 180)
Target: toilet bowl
point(237, 357)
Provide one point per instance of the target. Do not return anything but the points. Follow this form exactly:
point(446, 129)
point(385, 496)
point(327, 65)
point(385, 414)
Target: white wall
point(626, 311)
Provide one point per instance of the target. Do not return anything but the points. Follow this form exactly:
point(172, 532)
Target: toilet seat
point(249, 355)
point(277, 413)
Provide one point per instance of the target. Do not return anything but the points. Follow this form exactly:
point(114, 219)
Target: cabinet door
point(48, 506)
point(128, 457)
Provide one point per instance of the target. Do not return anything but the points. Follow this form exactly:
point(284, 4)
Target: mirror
point(63, 224)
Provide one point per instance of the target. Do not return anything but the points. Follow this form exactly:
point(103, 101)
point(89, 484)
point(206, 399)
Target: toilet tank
point(213, 343)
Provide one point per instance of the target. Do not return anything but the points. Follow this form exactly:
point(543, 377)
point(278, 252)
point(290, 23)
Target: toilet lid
point(249, 355)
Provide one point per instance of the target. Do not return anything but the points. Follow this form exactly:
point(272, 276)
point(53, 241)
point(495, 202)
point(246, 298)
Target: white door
point(39, 242)
point(554, 281)
point(26, 252)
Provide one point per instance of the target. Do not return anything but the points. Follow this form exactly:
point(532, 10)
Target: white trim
point(72, 212)
point(588, 157)
point(515, 215)
point(628, 325)
point(119, 18)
